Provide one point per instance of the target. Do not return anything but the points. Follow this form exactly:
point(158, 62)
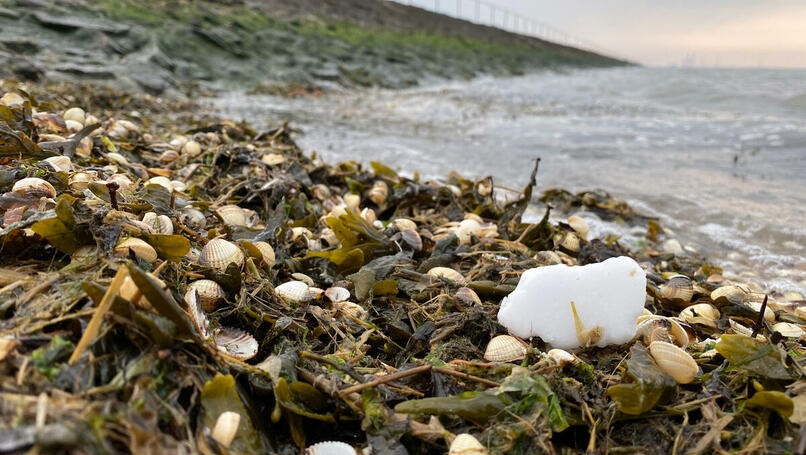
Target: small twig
point(384, 379)
point(322, 359)
point(95, 322)
point(469, 377)
point(760, 320)
point(113, 189)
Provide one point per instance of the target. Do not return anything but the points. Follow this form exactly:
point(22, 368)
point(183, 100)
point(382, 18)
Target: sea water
point(719, 155)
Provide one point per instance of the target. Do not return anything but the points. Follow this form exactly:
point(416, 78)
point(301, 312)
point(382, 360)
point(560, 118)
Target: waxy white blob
point(607, 298)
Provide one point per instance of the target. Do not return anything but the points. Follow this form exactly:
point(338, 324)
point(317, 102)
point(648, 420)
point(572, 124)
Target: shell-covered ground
point(338, 302)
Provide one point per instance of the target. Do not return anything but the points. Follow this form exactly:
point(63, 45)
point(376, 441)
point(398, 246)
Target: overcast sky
point(668, 32)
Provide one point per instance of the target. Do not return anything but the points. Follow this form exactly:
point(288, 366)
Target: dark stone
point(21, 46)
point(69, 24)
point(87, 71)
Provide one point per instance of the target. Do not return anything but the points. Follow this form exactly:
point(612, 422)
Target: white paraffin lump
point(607, 298)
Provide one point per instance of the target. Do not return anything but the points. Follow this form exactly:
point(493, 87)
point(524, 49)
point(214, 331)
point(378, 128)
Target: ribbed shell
point(728, 295)
point(60, 163)
point(569, 242)
point(447, 273)
point(34, 187)
point(330, 448)
point(467, 296)
point(209, 292)
point(139, 247)
point(197, 314)
point(789, 329)
point(659, 328)
point(161, 224)
point(218, 254)
point(236, 343)
point(505, 348)
point(294, 292)
point(701, 313)
point(267, 252)
point(226, 427)
point(561, 357)
point(674, 361)
point(337, 294)
point(466, 444)
point(378, 192)
point(232, 215)
point(679, 288)
point(579, 225)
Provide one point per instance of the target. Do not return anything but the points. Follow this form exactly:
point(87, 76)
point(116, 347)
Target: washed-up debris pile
point(221, 291)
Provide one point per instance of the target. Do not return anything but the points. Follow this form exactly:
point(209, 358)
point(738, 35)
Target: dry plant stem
point(469, 377)
point(191, 232)
point(95, 323)
point(760, 320)
point(322, 359)
point(384, 379)
point(352, 400)
point(25, 298)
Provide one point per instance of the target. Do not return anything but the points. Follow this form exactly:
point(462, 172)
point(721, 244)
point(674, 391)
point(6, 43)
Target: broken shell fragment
point(209, 293)
point(466, 444)
point(505, 348)
point(218, 254)
point(674, 361)
point(139, 247)
point(226, 427)
point(59, 163)
point(294, 292)
point(236, 343)
point(34, 187)
point(447, 274)
point(337, 294)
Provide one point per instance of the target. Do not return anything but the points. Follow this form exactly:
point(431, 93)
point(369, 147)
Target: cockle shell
point(218, 254)
point(674, 361)
point(34, 187)
point(353, 309)
point(466, 444)
point(193, 218)
point(561, 357)
point(331, 448)
point(226, 427)
point(351, 201)
point(378, 192)
point(403, 224)
point(139, 247)
point(789, 329)
point(579, 225)
point(337, 294)
point(569, 242)
point(12, 99)
point(191, 148)
point(79, 181)
point(729, 295)
point(294, 292)
point(267, 252)
point(75, 114)
point(678, 289)
point(168, 156)
point(73, 126)
point(161, 224)
point(505, 348)
point(197, 314)
point(60, 163)
point(447, 273)
point(467, 296)
point(232, 215)
point(466, 230)
point(412, 238)
point(701, 313)
point(236, 343)
point(659, 328)
point(209, 293)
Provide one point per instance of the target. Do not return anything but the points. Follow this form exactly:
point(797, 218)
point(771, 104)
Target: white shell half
point(294, 292)
point(505, 348)
point(220, 253)
point(331, 448)
point(236, 343)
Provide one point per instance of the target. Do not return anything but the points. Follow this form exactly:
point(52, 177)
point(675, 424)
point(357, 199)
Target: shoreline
point(405, 333)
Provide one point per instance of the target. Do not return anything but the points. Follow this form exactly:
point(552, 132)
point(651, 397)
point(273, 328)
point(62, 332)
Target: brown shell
point(505, 348)
point(561, 357)
point(139, 247)
point(467, 296)
point(679, 289)
point(659, 328)
point(447, 273)
point(209, 292)
point(674, 361)
point(236, 343)
point(34, 187)
point(218, 254)
point(267, 252)
point(378, 192)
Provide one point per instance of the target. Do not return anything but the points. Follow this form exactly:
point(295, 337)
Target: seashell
point(659, 328)
point(569, 242)
point(232, 215)
point(561, 357)
point(73, 126)
point(701, 313)
point(743, 330)
point(466, 230)
point(236, 343)
point(789, 329)
point(79, 181)
point(34, 188)
point(84, 148)
point(117, 158)
point(178, 142)
point(579, 225)
point(467, 296)
point(12, 99)
point(353, 309)
point(729, 295)
point(320, 191)
point(548, 258)
point(674, 361)
point(412, 238)
point(226, 427)
point(267, 252)
point(294, 292)
point(218, 254)
point(300, 233)
point(337, 294)
point(368, 215)
point(60, 163)
point(272, 159)
point(168, 156)
point(485, 187)
point(331, 448)
point(769, 315)
point(378, 192)
point(123, 181)
point(403, 224)
point(447, 274)
point(466, 444)
point(208, 292)
point(197, 315)
point(191, 148)
point(161, 224)
point(505, 348)
point(672, 246)
point(351, 201)
point(139, 247)
point(303, 277)
point(75, 114)
point(678, 289)
point(193, 218)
